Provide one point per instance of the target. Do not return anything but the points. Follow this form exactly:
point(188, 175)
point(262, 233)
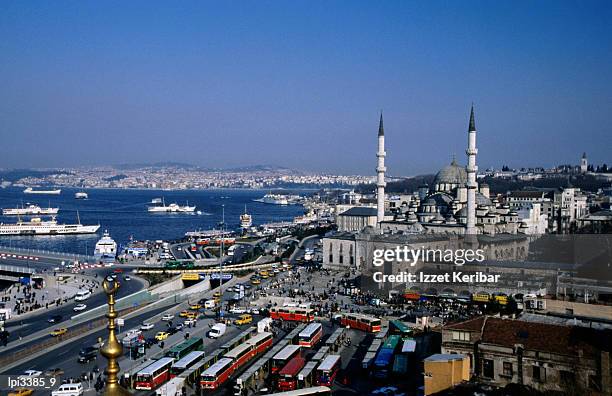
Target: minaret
point(584, 164)
point(380, 171)
point(472, 169)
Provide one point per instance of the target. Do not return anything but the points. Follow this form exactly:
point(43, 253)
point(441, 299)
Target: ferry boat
point(81, 195)
point(106, 247)
point(246, 221)
point(36, 226)
point(30, 209)
point(273, 199)
point(172, 208)
point(30, 190)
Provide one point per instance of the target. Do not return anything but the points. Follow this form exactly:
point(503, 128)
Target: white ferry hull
point(48, 192)
point(27, 211)
point(60, 229)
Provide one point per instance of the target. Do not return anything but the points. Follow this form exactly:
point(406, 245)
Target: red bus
point(366, 323)
point(154, 374)
point(287, 377)
point(295, 314)
point(311, 335)
point(327, 370)
point(217, 374)
point(261, 342)
point(284, 356)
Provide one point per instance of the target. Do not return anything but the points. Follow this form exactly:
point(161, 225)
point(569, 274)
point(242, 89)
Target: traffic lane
point(32, 324)
point(64, 355)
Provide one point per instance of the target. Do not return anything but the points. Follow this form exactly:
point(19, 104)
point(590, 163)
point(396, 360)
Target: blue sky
point(300, 83)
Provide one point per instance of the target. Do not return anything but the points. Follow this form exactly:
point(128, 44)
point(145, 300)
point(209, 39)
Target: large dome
point(453, 174)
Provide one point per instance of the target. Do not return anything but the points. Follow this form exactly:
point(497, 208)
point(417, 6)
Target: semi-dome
point(453, 174)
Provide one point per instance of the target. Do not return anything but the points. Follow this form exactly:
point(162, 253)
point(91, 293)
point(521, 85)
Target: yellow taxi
point(217, 295)
point(195, 307)
point(21, 392)
point(255, 282)
point(192, 315)
point(264, 277)
point(243, 319)
point(59, 332)
point(184, 314)
point(161, 335)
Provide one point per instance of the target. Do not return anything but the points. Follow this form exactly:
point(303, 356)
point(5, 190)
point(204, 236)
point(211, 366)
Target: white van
point(69, 389)
point(82, 295)
point(209, 304)
point(217, 330)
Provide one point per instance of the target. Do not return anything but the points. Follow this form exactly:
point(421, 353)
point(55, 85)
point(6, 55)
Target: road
point(36, 322)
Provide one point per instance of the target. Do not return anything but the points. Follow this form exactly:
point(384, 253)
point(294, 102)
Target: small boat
point(81, 195)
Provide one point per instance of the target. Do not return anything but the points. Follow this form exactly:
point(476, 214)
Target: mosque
point(454, 204)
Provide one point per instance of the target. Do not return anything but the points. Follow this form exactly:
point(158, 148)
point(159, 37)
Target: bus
point(154, 374)
point(284, 356)
point(366, 323)
point(261, 342)
point(181, 350)
point(296, 314)
point(217, 374)
point(384, 359)
point(481, 297)
point(328, 369)
point(189, 360)
point(411, 296)
point(311, 335)
point(313, 391)
point(287, 376)
point(400, 328)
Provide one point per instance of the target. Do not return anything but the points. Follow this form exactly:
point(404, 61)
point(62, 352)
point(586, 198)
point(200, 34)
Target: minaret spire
point(471, 169)
point(472, 127)
point(380, 172)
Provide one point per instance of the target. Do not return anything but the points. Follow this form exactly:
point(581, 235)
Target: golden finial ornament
point(112, 349)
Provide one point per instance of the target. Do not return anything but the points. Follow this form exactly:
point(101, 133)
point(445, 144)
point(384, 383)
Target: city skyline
point(301, 85)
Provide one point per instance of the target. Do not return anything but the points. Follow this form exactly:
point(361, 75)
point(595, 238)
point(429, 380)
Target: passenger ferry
point(30, 209)
point(36, 226)
point(246, 221)
point(81, 195)
point(172, 208)
point(106, 247)
point(30, 190)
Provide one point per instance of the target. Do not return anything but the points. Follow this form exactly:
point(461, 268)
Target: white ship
point(36, 226)
point(273, 199)
point(106, 247)
point(246, 221)
point(172, 208)
point(30, 209)
point(81, 195)
point(30, 190)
